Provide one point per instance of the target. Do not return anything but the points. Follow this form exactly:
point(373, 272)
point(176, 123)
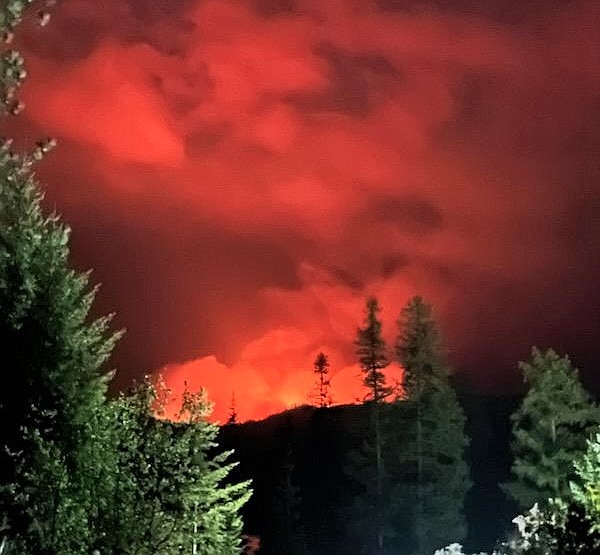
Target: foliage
point(50, 410)
point(232, 418)
point(429, 443)
point(564, 527)
point(418, 349)
point(549, 429)
point(169, 487)
point(455, 549)
point(321, 369)
point(78, 474)
point(430, 475)
point(579, 534)
point(534, 530)
point(370, 511)
point(373, 509)
point(586, 488)
point(50, 406)
point(12, 13)
point(287, 535)
point(556, 529)
point(371, 353)
point(559, 527)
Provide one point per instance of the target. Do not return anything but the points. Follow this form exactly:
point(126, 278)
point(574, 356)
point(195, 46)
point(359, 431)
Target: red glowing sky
point(242, 174)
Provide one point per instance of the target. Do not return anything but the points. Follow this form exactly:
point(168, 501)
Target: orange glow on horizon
point(255, 397)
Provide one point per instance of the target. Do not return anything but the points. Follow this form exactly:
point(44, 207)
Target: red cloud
point(255, 175)
point(108, 101)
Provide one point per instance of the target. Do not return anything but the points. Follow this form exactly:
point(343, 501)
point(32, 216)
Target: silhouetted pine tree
point(233, 416)
point(366, 465)
point(550, 429)
point(430, 444)
point(372, 356)
point(321, 369)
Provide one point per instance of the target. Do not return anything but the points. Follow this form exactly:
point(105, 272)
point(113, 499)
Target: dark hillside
point(296, 460)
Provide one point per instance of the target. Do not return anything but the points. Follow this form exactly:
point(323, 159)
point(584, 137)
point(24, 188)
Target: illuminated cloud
point(242, 174)
point(108, 101)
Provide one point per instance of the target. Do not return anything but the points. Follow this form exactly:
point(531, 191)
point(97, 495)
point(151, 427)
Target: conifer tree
point(370, 516)
point(233, 415)
point(321, 369)
point(170, 490)
point(372, 357)
point(69, 481)
point(550, 429)
point(54, 389)
point(367, 465)
point(430, 450)
point(288, 536)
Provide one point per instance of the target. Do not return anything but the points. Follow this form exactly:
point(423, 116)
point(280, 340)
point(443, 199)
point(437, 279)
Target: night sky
point(241, 175)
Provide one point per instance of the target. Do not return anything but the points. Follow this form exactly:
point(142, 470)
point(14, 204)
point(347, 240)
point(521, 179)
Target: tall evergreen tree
point(550, 429)
point(371, 514)
point(418, 349)
point(430, 448)
point(288, 536)
point(372, 356)
point(169, 490)
point(367, 465)
point(321, 369)
point(51, 399)
point(69, 481)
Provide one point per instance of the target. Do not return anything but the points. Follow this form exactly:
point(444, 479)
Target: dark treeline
point(389, 476)
point(316, 443)
point(418, 466)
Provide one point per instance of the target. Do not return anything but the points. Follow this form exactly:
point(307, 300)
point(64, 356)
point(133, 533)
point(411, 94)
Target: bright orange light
point(256, 397)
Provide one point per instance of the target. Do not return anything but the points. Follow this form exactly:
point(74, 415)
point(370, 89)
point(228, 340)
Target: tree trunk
point(419, 508)
point(379, 469)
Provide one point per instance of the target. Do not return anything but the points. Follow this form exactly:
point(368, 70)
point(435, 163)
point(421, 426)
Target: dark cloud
point(392, 264)
point(411, 215)
point(358, 82)
point(504, 12)
point(163, 25)
point(347, 279)
point(271, 8)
